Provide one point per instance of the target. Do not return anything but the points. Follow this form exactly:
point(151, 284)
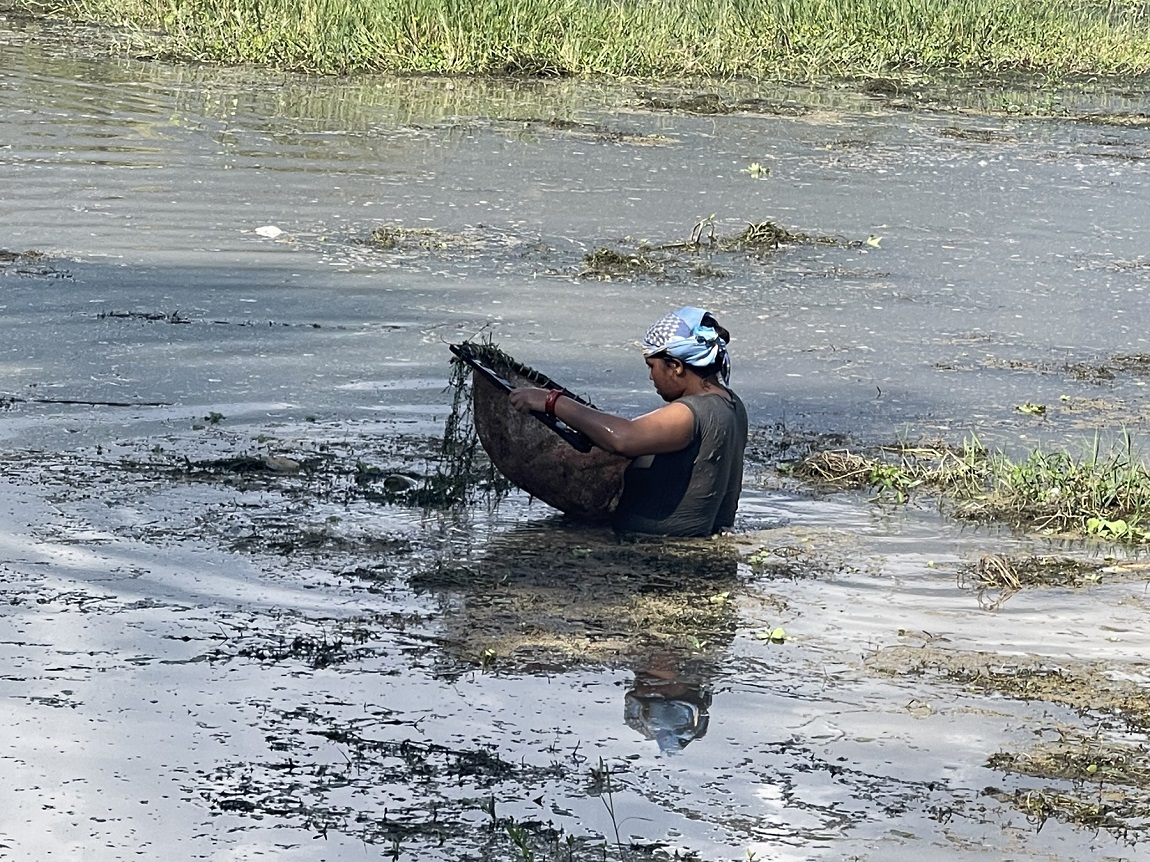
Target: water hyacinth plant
point(670, 39)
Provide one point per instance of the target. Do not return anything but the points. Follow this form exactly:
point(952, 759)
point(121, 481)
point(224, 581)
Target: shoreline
point(548, 39)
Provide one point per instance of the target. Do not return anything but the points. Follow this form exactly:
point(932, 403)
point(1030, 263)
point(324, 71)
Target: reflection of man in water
point(666, 708)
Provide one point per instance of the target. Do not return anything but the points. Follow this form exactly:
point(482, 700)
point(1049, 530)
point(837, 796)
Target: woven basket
point(584, 485)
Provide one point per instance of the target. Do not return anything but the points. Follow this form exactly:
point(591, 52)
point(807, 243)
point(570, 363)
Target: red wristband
point(549, 405)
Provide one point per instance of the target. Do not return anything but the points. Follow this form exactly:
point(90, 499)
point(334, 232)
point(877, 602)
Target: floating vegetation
point(453, 471)
point(249, 464)
point(693, 256)
point(712, 103)
point(401, 243)
point(769, 235)
point(893, 470)
point(996, 571)
point(1102, 495)
point(8, 401)
point(30, 264)
point(178, 317)
point(837, 469)
point(998, 577)
point(1094, 813)
point(1137, 364)
point(1074, 757)
point(165, 316)
point(594, 132)
point(388, 237)
point(460, 802)
point(607, 263)
point(1122, 121)
point(980, 136)
point(1105, 784)
point(778, 444)
point(788, 562)
point(19, 256)
point(1090, 689)
point(586, 596)
point(700, 255)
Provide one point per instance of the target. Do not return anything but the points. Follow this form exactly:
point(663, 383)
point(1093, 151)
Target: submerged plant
point(462, 469)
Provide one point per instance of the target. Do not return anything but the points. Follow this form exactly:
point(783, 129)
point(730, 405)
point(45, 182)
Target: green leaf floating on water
point(777, 635)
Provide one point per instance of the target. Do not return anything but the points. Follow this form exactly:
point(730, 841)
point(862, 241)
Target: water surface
point(281, 667)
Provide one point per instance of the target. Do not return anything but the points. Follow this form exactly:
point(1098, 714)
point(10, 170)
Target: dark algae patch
point(301, 783)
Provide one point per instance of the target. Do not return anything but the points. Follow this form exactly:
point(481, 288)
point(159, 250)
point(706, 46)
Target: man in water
point(687, 471)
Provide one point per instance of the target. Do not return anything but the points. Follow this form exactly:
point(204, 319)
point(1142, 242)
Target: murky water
point(282, 666)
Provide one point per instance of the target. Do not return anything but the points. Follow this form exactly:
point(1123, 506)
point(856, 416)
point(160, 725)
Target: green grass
point(640, 38)
point(1104, 494)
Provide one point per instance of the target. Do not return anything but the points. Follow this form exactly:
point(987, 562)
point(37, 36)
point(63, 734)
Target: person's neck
point(697, 385)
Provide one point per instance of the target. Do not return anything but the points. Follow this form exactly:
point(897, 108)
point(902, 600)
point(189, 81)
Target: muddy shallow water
point(219, 635)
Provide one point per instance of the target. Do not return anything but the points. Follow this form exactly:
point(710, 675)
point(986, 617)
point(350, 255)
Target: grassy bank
point(669, 39)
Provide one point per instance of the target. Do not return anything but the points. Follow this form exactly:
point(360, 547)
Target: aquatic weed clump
point(693, 256)
point(463, 472)
point(606, 263)
point(1088, 781)
point(1101, 494)
point(1105, 495)
point(897, 470)
point(460, 472)
point(1090, 689)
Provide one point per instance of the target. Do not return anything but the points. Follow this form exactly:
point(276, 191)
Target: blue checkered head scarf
point(682, 335)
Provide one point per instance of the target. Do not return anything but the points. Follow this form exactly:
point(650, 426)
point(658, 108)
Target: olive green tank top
point(695, 491)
